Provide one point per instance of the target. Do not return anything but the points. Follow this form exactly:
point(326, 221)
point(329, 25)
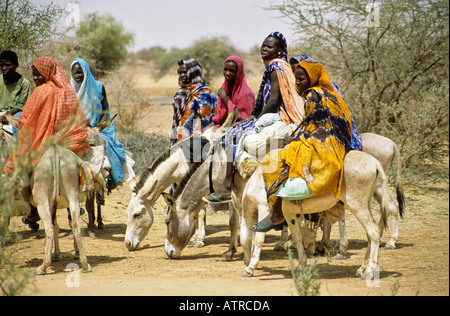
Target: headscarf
point(90, 94)
point(356, 143)
point(242, 95)
point(51, 110)
point(318, 150)
point(292, 107)
point(194, 103)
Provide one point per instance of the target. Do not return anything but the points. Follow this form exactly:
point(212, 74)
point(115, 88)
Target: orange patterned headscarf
point(52, 115)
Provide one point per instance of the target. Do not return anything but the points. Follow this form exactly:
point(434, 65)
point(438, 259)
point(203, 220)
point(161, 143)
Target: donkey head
point(180, 228)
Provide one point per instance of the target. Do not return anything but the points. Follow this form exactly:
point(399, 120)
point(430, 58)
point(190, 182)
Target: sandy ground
point(419, 265)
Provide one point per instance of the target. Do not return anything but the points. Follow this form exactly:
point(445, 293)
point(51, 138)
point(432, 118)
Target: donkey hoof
point(40, 271)
point(279, 247)
point(87, 268)
point(56, 258)
point(247, 273)
point(389, 247)
point(340, 257)
point(199, 244)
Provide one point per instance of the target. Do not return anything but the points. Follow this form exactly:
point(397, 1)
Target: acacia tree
point(390, 59)
point(105, 41)
point(24, 25)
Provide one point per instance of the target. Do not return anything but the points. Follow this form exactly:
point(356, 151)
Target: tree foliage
point(24, 25)
point(105, 42)
point(210, 52)
point(390, 59)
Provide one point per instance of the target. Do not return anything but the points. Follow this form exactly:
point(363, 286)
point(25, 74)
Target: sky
point(178, 23)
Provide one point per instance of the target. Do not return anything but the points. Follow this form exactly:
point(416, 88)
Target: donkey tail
point(56, 180)
point(399, 183)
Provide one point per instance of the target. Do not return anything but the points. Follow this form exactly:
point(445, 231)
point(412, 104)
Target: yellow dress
point(323, 138)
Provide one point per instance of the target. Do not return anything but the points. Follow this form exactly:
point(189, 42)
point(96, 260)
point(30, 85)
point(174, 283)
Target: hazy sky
point(177, 23)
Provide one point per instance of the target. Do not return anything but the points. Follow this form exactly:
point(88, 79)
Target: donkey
point(386, 151)
point(185, 204)
point(374, 144)
point(380, 147)
point(170, 167)
point(362, 173)
point(55, 184)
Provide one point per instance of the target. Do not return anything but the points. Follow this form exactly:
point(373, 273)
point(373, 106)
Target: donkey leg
point(200, 231)
point(46, 217)
point(343, 241)
point(76, 229)
point(294, 227)
point(246, 240)
point(57, 254)
point(234, 230)
point(370, 263)
point(90, 209)
point(393, 213)
point(325, 241)
point(252, 242)
point(284, 237)
point(100, 201)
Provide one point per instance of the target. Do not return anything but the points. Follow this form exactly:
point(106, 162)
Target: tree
point(151, 53)
point(210, 52)
point(390, 59)
point(105, 42)
point(24, 25)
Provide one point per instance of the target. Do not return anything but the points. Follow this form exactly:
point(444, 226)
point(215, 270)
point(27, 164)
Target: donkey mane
point(149, 171)
point(186, 143)
point(186, 178)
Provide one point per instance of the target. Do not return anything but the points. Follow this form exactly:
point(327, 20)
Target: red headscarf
point(52, 110)
point(242, 96)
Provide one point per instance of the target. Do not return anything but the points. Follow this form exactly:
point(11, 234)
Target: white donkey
point(185, 204)
point(363, 175)
point(170, 167)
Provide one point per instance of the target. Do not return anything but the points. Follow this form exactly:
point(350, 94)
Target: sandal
point(212, 199)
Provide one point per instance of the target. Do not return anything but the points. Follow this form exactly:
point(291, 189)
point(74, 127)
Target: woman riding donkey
point(317, 152)
point(52, 114)
point(92, 96)
point(277, 94)
point(194, 102)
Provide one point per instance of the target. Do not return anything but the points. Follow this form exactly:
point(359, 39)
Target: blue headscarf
point(90, 95)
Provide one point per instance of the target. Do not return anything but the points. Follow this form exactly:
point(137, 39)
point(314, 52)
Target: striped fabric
point(194, 103)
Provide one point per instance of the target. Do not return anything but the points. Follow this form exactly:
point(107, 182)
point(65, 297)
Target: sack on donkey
point(294, 189)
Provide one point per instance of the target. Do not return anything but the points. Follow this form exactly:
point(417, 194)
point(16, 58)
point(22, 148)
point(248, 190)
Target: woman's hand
point(287, 140)
point(223, 95)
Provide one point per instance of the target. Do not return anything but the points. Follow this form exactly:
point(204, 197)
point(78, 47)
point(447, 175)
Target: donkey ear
point(170, 201)
point(151, 189)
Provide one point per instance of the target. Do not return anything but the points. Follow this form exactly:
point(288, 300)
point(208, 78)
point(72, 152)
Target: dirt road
point(419, 265)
